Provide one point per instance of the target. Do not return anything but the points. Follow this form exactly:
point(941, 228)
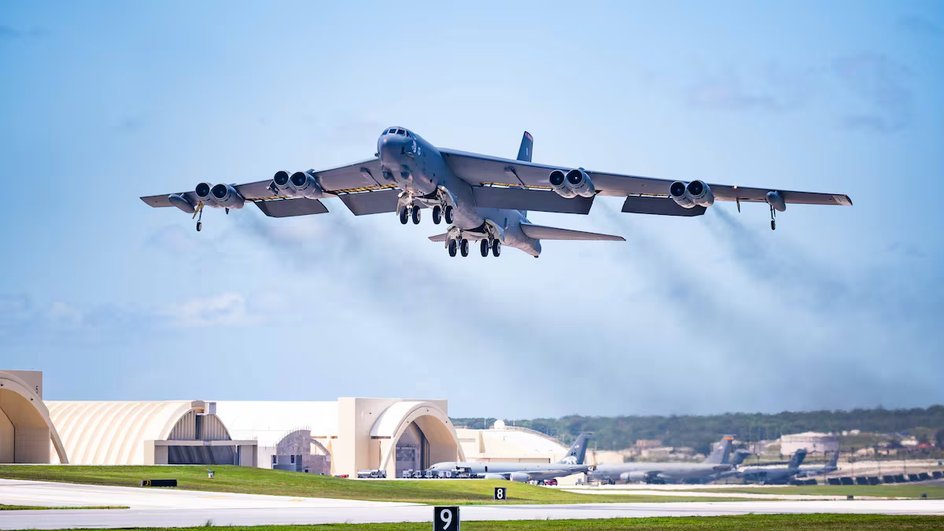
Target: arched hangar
point(27, 433)
point(175, 432)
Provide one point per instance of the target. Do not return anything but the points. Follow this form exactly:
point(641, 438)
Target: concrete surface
point(177, 508)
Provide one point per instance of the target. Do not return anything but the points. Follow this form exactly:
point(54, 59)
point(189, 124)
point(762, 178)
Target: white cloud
point(225, 309)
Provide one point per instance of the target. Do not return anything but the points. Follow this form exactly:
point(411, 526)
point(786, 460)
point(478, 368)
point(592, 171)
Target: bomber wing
point(523, 185)
point(360, 186)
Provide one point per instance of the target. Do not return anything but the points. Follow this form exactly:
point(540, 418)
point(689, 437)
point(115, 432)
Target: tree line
point(700, 431)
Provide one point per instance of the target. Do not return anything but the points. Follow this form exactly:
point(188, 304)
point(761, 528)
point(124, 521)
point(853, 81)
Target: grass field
point(281, 483)
point(934, 492)
point(784, 522)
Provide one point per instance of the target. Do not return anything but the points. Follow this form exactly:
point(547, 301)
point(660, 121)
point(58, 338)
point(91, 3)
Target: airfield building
point(167, 432)
point(27, 433)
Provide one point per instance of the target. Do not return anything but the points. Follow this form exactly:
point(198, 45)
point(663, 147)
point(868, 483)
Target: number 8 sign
point(501, 493)
point(445, 519)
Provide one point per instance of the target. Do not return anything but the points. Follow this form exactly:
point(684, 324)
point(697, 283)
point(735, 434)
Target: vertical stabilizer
point(578, 451)
point(797, 459)
point(721, 452)
point(527, 146)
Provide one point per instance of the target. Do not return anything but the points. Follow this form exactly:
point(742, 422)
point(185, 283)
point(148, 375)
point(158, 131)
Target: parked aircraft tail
point(719, 455)
point(797, 458)
point(833, 463)
point(740, 456)
point(578, 451)
point(527, 144)
point(539, 232)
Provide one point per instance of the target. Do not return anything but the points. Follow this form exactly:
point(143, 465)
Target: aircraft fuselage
point(419, 169)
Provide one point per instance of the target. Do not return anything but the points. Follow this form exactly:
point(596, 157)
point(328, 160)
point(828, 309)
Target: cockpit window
point(401, 132)
point(391, 131)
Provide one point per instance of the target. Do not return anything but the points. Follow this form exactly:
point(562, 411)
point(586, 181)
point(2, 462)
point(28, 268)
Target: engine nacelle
point(520, 477)
point(226, 196)
point(700, 193)
point(305, 184)
point(203, 192)
point(580, 183)
point(558, 181)
point(281, 182)
point(775, 200)
point(678, 191)
point(492, 476)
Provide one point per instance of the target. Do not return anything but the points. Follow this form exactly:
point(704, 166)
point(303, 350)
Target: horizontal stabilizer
point(539, 232)
point(535, 200)
point(364, 203)
point(286, 208)
point(661, 206)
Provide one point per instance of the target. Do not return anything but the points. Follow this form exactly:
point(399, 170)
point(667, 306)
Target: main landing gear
point(407, 213)
point(493, 245)
point(773, 218)
point(441, 213)
point(412, 212)
point(460, 246)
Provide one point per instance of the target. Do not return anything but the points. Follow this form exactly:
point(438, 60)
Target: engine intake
point(203, 191)
point(690, 195)
point(700, 193)
point(679, 193)
point(226, 196)
point(305, 184)
point(558, 181)
point(579, 182)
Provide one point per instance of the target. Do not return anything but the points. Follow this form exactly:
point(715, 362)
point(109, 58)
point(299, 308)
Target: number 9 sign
point(445, 519)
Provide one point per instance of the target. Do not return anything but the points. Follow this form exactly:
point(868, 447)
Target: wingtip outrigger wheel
point(198, 213)
point(773, 218)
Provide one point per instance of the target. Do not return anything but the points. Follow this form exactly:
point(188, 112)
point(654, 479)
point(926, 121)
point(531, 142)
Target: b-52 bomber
point(480, 198)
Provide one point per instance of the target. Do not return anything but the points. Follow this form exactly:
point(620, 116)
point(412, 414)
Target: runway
point(179, 508)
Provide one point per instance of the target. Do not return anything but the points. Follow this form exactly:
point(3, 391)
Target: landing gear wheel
point(447, 214)
point(773, 224)
point(199, 226)
point(404, 214)
point(484, 248)
point(437, 214)
point(773, 218)
point(496, 248)
point(464, 247)
point(415, 214)
point(453, 247)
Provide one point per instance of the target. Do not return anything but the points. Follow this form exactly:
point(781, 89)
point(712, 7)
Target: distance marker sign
point(501, 493)
point(445, 519)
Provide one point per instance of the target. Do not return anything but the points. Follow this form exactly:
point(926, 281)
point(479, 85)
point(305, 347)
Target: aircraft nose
point(391, 147)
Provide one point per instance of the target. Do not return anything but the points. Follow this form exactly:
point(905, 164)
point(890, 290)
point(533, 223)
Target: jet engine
point(492, 476)
point(520, 477)
point(305, 184)
point(558, 182)
point(695, 193)
point(678, 191)
point(203, 192)
point(226, 196)
point(700, 193)
point(579, 182)
point(281, 182)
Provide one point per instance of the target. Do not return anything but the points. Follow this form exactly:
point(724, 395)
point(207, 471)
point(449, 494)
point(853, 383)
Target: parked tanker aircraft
point(572, 463)
point(669, 472)
point(480, 197)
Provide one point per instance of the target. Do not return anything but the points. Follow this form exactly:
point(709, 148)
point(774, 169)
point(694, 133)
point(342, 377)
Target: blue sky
point(101, 102)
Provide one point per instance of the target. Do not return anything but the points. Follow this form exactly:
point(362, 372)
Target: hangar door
point(412, 450)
